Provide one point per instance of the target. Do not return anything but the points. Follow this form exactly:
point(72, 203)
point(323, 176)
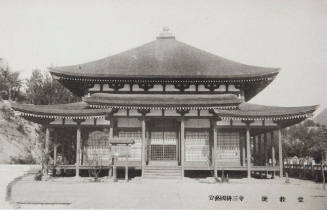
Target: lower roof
point(220, 104)
point(72, 110)
point(163, 101)
point(248, 111)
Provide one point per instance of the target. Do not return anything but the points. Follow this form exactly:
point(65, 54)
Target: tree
point(305, 140)
point(10, 83)
point(42, 90)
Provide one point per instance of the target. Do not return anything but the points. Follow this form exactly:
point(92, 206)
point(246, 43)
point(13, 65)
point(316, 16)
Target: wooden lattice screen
point(228, 147)
point(196, 146)
point(97, 150)
point(163, 145)
point(135, 150)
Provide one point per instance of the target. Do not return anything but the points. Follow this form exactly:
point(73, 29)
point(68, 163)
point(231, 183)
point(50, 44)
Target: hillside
point(321, 118)
point(18, 137)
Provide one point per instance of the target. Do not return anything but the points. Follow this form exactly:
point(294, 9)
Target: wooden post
point(272, 151)
point(111, 136)
point(111, 130)
point(259, 150)
point(46, 151)
point(243, 143)
point(265, 148)
point(214, 153)
point(254, 150)
point(78, 148)
point(143, 146)
point(243, 154)
point(248, 150)
point(63, 150)
point(114, 170)
point(126, 173)
point(323, 171)
point(280, 152)
point(126, 166)
point(55, 147)
point(182, 145)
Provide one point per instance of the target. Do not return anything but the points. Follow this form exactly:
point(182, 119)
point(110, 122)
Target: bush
point(38, 176)
point(20, 128)
point(19, 160)
point(8, 114)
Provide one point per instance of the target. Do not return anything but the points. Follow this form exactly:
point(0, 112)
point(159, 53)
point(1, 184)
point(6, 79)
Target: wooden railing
point(309, 171)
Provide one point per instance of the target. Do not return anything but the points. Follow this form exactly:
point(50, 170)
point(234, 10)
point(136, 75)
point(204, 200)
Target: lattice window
point(121, 150)
point(97, 138)
point(170, 138)
point(163, 145)
point(196, 146)
point(97, 150)
point(97, 155)
point(228, 146)
point(135, 151)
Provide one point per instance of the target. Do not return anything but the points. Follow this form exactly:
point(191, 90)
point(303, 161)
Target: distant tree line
point(306, 139)
point(10, 84)
point(39, 89)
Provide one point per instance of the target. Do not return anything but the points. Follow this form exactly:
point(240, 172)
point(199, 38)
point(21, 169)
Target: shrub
point(38, 176)
point(20, 128)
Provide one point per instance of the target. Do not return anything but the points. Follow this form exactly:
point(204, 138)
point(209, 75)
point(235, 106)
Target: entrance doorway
point(164, 142)
point(164, 145)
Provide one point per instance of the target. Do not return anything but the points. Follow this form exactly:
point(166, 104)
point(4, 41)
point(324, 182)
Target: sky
point(288, 34)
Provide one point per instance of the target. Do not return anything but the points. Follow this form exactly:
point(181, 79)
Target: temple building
point(165, 108)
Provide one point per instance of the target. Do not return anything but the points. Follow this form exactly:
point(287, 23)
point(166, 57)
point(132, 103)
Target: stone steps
point(158, 172)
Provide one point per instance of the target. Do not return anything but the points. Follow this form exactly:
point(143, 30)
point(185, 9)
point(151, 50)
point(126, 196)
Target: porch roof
point(79, 110)
point(247, 111)
point(163, 101)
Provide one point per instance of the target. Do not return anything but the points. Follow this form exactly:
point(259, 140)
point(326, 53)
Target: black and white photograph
point(163, 104)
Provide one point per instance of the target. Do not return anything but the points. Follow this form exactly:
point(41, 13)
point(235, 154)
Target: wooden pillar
point(214, 152)
point(248, 151)
point(62, 150)
point(243, 152)
point(111, 130)
point(280, 152)
point(46, 151)
point(143, 146)
point(254, 150)
point(265, 151)
point(126, 173)
point(114, 170)
point(259, 150)
point(126, 166)
point(111, 136)
point(182, 145)
point(55, 135)
point(78, 148)
point(272, 151)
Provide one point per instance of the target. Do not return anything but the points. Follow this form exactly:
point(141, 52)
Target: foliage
point(25, 160)
point(10, 84)
point(42, 89)
point(38, 176)
point(97, 167)
point(305, 140)
point(7, 113)
point(20, 128)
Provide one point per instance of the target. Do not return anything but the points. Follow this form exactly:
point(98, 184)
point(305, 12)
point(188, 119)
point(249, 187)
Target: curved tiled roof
point(165, 101)
point(248, 111)
point(72, 110)
point(164, 58)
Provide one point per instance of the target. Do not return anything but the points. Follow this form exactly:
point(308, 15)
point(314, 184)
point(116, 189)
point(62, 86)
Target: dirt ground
point(7, 174)
point(173, 194)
